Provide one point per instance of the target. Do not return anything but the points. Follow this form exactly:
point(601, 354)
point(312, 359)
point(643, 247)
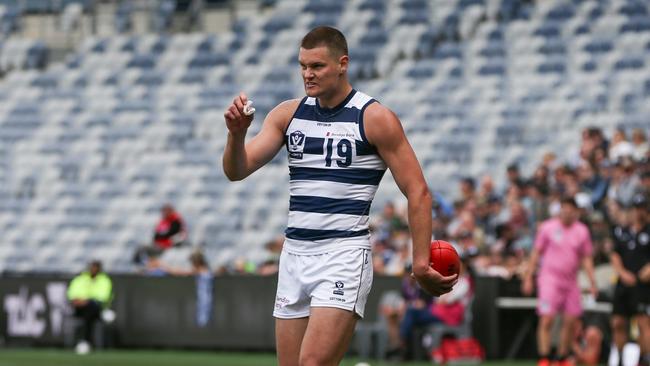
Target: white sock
point(631, 353)
point(613, 356)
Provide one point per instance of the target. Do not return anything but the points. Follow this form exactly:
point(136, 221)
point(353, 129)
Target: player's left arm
point(588, 266)
point(384, 130)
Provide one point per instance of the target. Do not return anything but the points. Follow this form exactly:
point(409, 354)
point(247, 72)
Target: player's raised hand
point(433, 282)
point(237, 120)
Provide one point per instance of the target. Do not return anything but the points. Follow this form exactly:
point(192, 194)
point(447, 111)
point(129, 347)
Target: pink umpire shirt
point(562, 249)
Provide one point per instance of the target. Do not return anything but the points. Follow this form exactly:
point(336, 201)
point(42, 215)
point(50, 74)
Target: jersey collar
point(332, 111)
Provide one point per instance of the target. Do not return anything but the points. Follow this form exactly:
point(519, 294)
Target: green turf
point(50, 357)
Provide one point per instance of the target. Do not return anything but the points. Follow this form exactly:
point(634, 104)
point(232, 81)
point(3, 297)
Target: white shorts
point(338, 279)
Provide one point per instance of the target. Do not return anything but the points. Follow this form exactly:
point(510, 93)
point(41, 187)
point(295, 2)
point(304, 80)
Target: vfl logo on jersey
point(296, 144)
point(339, 288)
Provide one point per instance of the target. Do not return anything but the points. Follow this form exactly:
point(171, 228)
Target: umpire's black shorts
point(631, 300)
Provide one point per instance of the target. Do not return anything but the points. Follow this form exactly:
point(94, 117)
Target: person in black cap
point(631, 261)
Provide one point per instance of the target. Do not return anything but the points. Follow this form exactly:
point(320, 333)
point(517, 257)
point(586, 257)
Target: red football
point(443, 258)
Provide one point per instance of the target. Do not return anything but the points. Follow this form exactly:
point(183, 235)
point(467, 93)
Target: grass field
point(51, 357)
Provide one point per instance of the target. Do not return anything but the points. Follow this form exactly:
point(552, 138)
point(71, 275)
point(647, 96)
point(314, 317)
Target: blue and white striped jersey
point(334, 173)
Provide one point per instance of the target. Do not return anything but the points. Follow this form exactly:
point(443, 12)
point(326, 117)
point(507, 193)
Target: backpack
point(455, 351)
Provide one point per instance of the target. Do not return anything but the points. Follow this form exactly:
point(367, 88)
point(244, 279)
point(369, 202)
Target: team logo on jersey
point(296, 144)
point(339, 288)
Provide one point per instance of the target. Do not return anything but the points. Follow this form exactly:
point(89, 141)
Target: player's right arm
point(384, 130)
point(527, 285)
point(241, 159)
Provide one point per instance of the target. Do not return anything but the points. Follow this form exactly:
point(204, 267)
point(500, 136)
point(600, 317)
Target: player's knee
point(546, 322)
point(314, 359)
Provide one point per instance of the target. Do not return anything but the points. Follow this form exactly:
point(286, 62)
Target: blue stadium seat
point(562, 12)
point(629, 64)
point(633, 9)
point(598, 46)
point(552, 48)
point(637, 24)
point(146, 61)
point(547, 30)
point(492, 70)
point(552, 67)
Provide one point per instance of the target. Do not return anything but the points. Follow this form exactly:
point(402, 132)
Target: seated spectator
point(153, 265)
point(89, 294)
point(271, 265)
point(625, 182)
point(513, 175)
point(170, 230)
point(391, 312)
point(204, 286)
point(502, 255)
point(621, 147)
point(448, 309)
point(640, 144)
point(467, 190)
point(487, 190)
point(592, 183)
point(587, 345)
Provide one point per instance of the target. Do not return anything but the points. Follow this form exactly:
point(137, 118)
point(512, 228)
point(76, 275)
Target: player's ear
point(343, 64)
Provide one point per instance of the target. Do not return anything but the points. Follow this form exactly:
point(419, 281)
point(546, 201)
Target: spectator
point(487, 190)
point(416, 303)
point(631, 261)
point(625, 183)
point(513, 175)
point(621, 147)
point(271, 265)
point(467, 189)
point(170, 230)
point(644, 186)
point(204, 285)
point(587, 345)
point(640, 144)
point(154, 267)
point(540, 179)
point(560, 176)
point(592, 183)
point(549, 161)
point(538, 209)
point(391, 313)
point(89, 293)
point(448, 309)
point(563, 244)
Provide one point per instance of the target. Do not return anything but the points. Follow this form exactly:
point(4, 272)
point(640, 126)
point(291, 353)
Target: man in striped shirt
point(339, 142)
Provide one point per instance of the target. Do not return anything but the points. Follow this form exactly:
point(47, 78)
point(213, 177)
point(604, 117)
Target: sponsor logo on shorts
point(337, 299)
point(339, 288)
point(280, 302)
